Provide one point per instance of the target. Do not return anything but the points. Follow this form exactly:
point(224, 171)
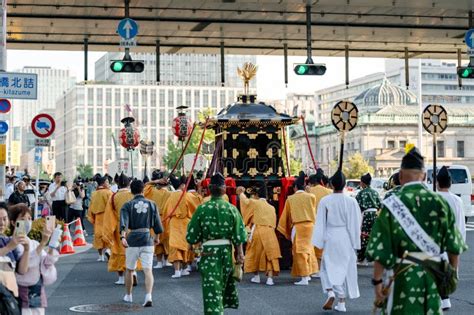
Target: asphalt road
point(82, 280)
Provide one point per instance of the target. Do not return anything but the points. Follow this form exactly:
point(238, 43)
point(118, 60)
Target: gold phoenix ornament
point(247, 73)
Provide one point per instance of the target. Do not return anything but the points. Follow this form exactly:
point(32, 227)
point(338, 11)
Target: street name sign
point(43, 125)
point(19, 85)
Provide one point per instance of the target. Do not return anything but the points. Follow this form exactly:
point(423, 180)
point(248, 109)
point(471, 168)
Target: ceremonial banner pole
point(344, 117)
point(435, 121)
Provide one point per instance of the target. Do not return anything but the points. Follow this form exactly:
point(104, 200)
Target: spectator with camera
point(57, 191)
point(76, 209)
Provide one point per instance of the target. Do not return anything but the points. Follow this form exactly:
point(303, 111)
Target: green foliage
point(85, 170)
point(296, 165)
point(354, 167)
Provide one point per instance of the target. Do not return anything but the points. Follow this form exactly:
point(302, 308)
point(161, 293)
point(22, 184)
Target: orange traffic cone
point(79, 239)
point(66, 242)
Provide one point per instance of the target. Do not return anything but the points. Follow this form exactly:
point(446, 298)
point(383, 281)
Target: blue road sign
point(38, 154)
point(5, 106)
point(3, 127)
point(469, 38)
point(127, 28)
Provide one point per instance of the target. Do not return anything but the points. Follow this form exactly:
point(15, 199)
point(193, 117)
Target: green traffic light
point(466, 73)
point(117, 66)
point(302, 69)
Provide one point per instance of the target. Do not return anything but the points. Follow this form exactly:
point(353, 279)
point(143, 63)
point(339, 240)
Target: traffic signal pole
point(86, 52)
point(127, 15)
point(3, 68)
point(309, 59)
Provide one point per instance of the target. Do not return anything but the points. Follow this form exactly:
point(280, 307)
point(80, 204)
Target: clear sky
point(270, 74)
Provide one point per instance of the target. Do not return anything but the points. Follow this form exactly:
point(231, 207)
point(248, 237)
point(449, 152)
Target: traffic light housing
point(127, 66)
point(466, 72)
point(310, 69)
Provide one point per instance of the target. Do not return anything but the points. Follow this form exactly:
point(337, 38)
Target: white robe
point(337, 232)
point(456, 205)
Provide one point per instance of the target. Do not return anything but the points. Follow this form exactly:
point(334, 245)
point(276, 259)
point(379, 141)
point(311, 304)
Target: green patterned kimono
point(367, 199)
point(414, 291)
point(213, 220)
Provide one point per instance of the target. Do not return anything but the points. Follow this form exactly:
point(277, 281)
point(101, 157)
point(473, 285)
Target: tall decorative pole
point(182, 127)
point(129, 137)
point(344, 117)
point(147, 148)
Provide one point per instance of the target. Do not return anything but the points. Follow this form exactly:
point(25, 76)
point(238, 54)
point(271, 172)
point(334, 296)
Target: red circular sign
point(43, 125)
point(5, 105)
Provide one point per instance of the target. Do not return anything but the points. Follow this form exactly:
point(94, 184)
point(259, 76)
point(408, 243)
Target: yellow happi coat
point(177, 224)
point(263, 249)
point(99, 200)
point(111, 230)
point(319, 192)
point(159, 196)
point(296, 224)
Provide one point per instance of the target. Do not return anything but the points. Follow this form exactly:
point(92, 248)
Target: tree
point(85, 170)
point(354, 167)
point(296, 165)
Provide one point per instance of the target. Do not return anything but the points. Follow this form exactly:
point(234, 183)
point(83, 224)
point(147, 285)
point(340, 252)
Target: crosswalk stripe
point(469, 226)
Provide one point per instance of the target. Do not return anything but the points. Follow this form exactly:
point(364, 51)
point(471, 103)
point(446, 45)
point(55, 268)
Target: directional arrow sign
point(469, 38)
point(127, 28)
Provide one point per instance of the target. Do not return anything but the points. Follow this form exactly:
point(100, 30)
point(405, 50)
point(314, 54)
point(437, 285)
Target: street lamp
point(182, 126)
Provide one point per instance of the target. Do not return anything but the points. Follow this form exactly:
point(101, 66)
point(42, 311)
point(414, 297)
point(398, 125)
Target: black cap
point(122, 180)
point(396, 179)
point(338, 181)
point(300, 181)
point(157, 174)
point(413, 160)
point(366, 179)
point(218, 179)
point(262, 191)
point(192, 183)
point(444, 178)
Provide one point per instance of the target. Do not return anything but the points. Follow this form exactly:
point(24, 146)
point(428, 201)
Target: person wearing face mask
point(19, 195)
point(10, 254)
point(41, 269)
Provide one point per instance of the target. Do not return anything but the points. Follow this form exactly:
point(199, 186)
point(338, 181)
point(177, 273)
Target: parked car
point(352, 187)
point(461, 185)
point(378, 185)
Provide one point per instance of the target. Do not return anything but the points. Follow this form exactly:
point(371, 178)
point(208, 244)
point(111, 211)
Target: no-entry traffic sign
point(43, 125)
point(5, 106)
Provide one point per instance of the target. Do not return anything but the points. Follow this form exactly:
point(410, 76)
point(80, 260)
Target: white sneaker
point(168, 264)
point(255, 279)
point(148, 302)
point(445, 304)
point(329, 301)
point(101, 258)
point(303, 281)
point(308, 278)
point(158, 265)
point(188, 268)
point(120, 281)
point(340, 307)
point(177, 274)
point(316, 275)
point(128, 298)
point(270, 281)
point(185, 272)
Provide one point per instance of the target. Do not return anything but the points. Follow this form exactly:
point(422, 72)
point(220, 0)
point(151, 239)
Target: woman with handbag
point(41, 269)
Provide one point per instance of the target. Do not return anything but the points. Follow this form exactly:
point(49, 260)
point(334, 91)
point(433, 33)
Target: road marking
point(470, 226)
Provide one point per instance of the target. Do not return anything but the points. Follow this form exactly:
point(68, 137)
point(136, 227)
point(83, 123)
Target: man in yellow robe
point(157, 191)
point(296, 224)
point(111, 230)
point(263, 249)
point(177, 223)
point(319, 191)
point(195, 199)
point(99, 200)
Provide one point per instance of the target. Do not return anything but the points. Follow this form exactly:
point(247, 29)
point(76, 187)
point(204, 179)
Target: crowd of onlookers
point(26, 264)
